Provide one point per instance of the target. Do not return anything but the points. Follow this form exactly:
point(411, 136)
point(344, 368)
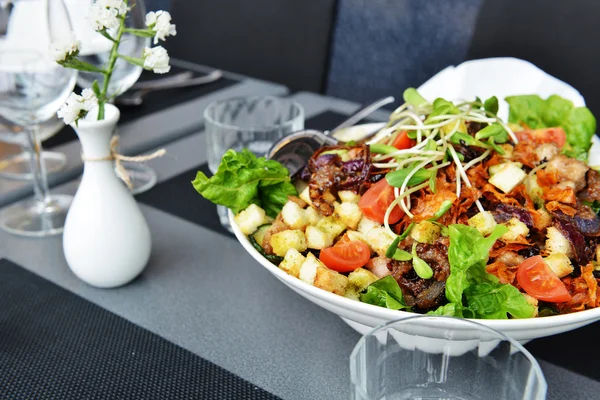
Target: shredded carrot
point(584, 290)
point(566, 195)
point(556, 206)
point(505, 273)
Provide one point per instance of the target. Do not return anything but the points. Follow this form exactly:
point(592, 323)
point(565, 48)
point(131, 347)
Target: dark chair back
point(278, 40)
point(560, 37)
point(381, 47)
point(155, 5)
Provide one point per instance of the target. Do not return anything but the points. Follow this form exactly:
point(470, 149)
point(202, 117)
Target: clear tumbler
point(254, 122)
point(428, 357)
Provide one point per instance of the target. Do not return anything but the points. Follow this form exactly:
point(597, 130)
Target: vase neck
point(95, 135)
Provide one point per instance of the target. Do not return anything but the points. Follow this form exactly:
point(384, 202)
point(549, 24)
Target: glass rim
point(467, 322)
point(287, 123)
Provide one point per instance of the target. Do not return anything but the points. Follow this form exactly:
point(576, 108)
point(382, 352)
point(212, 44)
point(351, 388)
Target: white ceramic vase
point(106, 239)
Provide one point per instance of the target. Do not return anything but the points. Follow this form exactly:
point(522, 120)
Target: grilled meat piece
point(592, 190)
point(504, 212)
point(570, 172)
point(329, 173)
point(425, 294)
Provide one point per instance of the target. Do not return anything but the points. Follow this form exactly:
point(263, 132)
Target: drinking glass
point(95, 49)
point(17, 166)
point(24, 26)
point(426, 357)
point(255, 123)
point(32, 89)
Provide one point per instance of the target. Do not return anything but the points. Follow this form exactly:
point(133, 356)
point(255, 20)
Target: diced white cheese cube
point(348, 196)
point(288, 239)
point(316, 273)
point(305, 195)
point(508, 177)
point(560, 264)
point(332, 225)
point(425, 232)
point(365, 225)
point(484, 222)
point(349, 214)
point(317, 239)
point(308, 270)
point(515, 229)
point(495, 168)
point(556, 242)
point(379, 239)
point(354, 235)
point(250, 219)
point(294, 216)
point(292, 262)
point(313, 215)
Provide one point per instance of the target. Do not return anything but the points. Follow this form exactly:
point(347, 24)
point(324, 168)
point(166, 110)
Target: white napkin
point(500, 77)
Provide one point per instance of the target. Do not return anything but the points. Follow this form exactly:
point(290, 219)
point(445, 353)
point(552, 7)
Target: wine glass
point(95, 49)
point(32, 88)
point(15, 14)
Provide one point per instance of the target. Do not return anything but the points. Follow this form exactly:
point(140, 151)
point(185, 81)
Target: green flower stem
point(141, 32)
point(79, 65)
point(114, 53)
point(132, 60)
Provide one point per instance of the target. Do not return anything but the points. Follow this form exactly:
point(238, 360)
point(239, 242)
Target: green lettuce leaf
point(580, 127)
point(468, 254)
point(557, 110)
point(489, 300)
point(243, 179)
point(384, 292)
point(470, 289)
point(448, 310)
point(527, 109)
point(578, 123)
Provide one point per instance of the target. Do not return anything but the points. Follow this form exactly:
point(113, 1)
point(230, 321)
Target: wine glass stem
point(38, 168)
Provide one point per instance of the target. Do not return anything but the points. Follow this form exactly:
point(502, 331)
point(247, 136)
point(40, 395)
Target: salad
point(447, 210)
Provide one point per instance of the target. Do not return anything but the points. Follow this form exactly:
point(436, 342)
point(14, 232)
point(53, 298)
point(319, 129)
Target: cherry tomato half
point(402, 141)
point(545, 135)
point(375, 202)
point(538, 280)
point(346, 257)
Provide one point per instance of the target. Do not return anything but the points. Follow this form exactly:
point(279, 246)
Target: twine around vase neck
point(119, 158)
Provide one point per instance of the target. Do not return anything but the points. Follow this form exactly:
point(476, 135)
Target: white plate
point(452, 84)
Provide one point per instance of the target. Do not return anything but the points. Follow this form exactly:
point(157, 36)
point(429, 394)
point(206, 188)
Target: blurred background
point(365, 49)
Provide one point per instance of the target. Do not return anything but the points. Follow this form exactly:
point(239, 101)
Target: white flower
point(88, 99)
point(105, 13)
point(71, 110)
point(77, 107)
point(118, 5)
point(156, 59)
point(65, 48)
point(160, 23)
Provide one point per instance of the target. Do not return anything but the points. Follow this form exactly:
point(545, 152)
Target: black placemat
point(153, 102)
point(57, 345)
point(178, 197)
point(576, 350)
